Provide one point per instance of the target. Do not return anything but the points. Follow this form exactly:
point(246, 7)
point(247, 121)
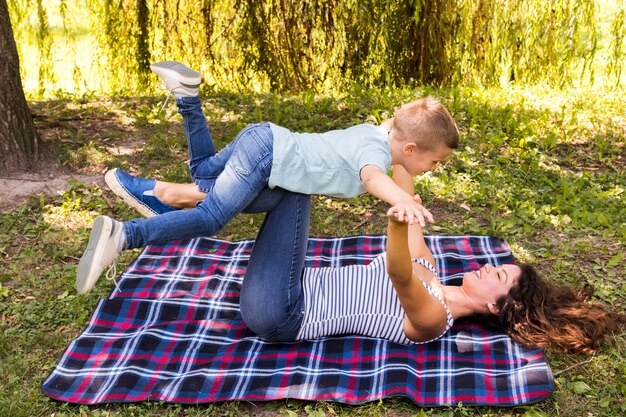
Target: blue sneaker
point(136, 192)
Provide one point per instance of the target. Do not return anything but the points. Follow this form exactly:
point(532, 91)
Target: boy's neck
point(387, 124)
point(394, 142)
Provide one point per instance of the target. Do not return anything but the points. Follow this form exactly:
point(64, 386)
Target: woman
point(512, 298)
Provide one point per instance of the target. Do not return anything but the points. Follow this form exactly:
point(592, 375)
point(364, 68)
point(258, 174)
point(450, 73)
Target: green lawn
point(544, 169)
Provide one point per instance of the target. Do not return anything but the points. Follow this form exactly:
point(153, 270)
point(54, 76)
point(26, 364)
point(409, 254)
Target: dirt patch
point(60, 124)
point(16, 189)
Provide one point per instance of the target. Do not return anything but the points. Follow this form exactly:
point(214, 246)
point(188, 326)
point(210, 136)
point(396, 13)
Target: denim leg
point(199, 141)
point(244, 176)
point(271, 300)
point(261, 204)
point(205, 172)
point(205, 165)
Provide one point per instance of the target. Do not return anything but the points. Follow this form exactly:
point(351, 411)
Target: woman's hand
point(404, 212)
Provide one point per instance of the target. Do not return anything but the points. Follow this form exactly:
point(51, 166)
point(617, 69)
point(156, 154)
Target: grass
point(543, 169)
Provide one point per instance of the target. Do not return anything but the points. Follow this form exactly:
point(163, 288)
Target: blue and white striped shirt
point(356, 299)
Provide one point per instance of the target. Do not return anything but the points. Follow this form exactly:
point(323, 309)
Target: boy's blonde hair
point(427, 123)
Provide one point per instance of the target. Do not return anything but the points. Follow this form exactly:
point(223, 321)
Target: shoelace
point(169, 93)
point(110, 276)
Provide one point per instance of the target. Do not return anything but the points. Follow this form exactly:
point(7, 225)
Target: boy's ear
point(409, 148)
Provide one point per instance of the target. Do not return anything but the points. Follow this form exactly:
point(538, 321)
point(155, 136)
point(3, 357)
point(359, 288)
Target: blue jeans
point(235, 180)
point(271, 300)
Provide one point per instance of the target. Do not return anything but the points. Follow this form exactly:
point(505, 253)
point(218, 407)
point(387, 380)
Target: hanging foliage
point(616, 46)
point(44, 46)
point(320, 44)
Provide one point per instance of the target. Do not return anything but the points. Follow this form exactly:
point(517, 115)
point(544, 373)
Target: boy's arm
point(378, 184)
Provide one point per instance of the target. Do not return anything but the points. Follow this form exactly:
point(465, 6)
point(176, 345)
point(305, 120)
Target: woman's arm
point(425, 316)
point(417, 245)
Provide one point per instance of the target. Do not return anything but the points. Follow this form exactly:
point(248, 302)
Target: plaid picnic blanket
point(172, 332)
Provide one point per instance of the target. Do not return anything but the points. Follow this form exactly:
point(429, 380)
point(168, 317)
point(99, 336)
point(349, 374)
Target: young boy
point(262, 157)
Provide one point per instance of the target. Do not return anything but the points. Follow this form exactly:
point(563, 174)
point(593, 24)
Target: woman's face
point(489, 283)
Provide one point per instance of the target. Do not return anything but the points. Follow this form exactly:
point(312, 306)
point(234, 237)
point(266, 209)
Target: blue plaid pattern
point(173, 332)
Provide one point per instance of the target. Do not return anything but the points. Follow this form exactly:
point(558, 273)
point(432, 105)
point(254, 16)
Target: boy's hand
point(410, 211)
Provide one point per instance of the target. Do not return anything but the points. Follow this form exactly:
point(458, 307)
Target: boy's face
point(417, 161)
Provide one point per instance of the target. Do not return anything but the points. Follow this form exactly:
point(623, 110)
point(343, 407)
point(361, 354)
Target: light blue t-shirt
point(327, 163)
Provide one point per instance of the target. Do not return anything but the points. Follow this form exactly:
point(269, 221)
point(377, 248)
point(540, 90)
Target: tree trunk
point(20, 146)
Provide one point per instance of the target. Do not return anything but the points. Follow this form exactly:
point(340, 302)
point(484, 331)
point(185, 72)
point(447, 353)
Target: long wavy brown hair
point(538, 313)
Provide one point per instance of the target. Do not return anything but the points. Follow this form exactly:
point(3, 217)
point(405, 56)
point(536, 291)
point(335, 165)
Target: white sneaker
point(179, 79)
point(105, 244)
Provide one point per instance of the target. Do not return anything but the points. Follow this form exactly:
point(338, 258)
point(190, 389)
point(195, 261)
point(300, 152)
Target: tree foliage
point(297, 45)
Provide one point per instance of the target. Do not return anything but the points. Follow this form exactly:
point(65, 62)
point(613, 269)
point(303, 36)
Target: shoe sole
point(89, 268)
point(111, 179)
point(189, 78)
